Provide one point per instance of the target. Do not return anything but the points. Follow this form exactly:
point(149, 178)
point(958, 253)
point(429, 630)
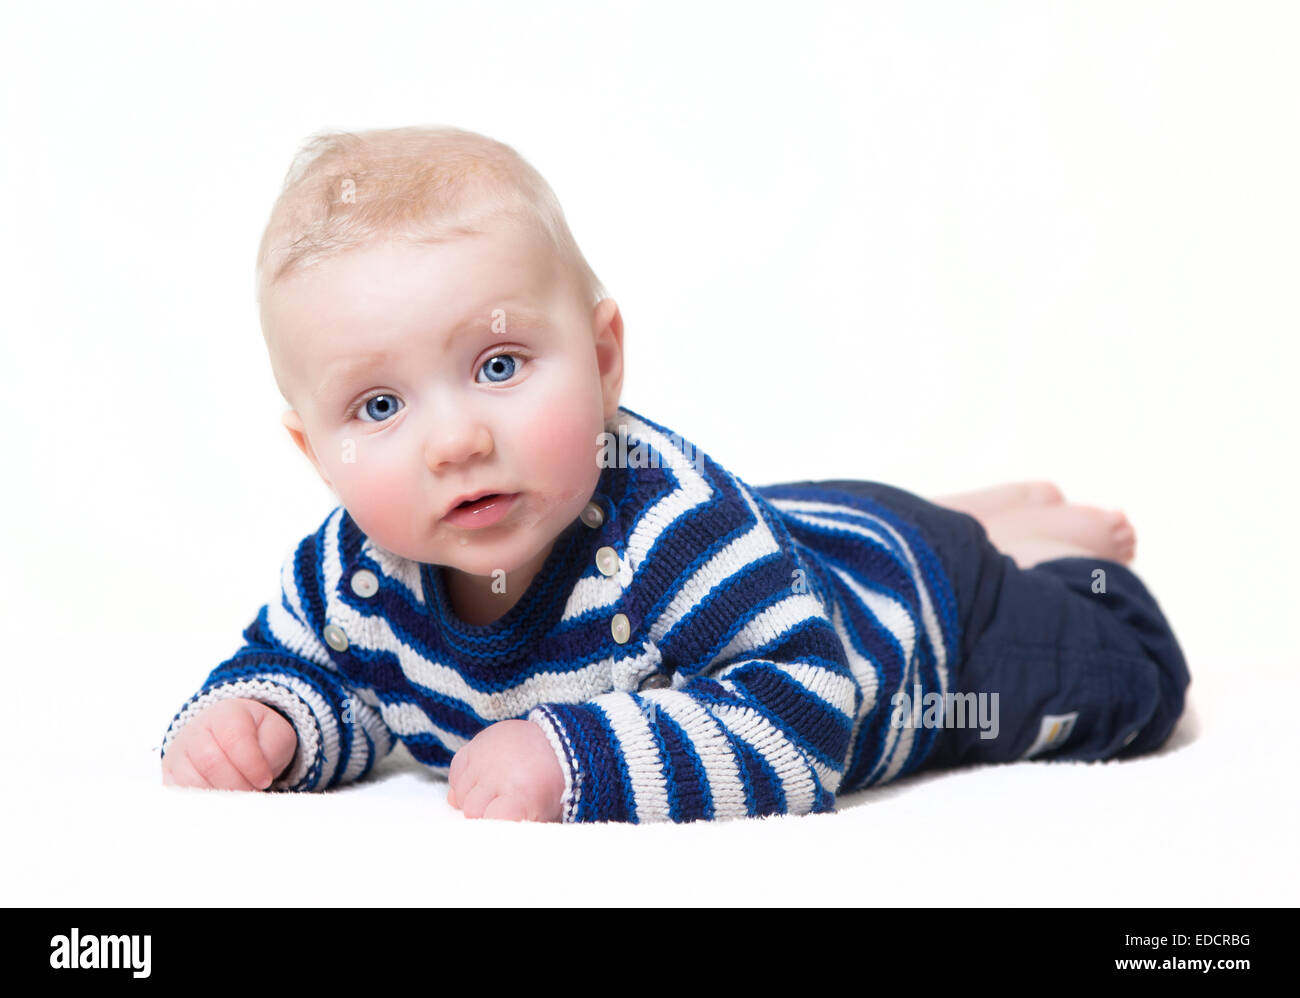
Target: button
point(335, 638)
point(592, 515)
point(620, 628)
point(364, 583)
point(607, 561)
point(655, 681)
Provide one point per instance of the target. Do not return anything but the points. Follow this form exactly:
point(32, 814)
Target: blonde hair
point(426, 183)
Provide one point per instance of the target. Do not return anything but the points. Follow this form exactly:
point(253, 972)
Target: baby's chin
point(473, 552)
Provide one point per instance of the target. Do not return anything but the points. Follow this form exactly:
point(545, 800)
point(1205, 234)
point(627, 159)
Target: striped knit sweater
point(767, 630)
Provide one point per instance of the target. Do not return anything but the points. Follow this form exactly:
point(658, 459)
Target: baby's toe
point(1044, 493)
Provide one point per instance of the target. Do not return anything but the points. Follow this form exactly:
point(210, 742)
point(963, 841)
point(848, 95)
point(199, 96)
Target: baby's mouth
point(474, 502)
point(482, 511)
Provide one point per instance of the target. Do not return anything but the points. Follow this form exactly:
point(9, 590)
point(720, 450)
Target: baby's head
point(438, 334)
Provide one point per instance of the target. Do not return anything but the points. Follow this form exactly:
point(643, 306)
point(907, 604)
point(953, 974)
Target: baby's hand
point(234, 744)
point(509, 771)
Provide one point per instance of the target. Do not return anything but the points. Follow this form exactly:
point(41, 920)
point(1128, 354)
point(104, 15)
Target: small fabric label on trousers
point(1052, 733)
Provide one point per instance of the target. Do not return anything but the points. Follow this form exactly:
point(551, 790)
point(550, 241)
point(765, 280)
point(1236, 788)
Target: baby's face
point(421, 374)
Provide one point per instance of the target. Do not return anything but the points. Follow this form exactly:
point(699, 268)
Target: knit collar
point(542, 605)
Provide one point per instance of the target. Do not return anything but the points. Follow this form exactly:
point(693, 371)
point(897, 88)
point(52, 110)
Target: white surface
point(937, 245)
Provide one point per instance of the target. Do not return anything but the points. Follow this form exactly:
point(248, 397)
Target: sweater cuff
point(564, 754)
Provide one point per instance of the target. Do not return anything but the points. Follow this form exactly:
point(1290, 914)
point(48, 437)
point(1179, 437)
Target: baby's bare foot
point(1032, 534)
point(1002, 498)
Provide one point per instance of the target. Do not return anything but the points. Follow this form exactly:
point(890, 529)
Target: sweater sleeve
point(758, 717)
point(283, 664)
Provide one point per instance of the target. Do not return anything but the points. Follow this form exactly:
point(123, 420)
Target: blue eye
point(499, 368)
point(379, 407)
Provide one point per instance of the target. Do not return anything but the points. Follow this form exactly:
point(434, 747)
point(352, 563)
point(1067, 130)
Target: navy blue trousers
point(1085, 665)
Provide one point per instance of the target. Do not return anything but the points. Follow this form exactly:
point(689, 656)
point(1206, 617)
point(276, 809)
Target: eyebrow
point(347, 370)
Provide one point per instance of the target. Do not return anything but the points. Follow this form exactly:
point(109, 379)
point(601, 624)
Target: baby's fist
point(235, 744)
point(509, 771)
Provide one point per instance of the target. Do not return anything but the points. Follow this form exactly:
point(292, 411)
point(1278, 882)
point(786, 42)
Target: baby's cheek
point(563, 446)
point(381, 498)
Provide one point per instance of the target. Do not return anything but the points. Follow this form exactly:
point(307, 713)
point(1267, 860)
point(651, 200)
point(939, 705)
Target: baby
point(575, 614)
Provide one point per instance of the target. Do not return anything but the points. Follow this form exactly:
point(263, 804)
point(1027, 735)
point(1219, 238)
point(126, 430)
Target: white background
point(939, 245)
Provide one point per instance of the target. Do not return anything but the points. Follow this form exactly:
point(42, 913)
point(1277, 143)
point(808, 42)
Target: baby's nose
point(451, 444)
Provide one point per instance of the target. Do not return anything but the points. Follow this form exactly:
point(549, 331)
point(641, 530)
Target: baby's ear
point(298, 432)
point(607, 326)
